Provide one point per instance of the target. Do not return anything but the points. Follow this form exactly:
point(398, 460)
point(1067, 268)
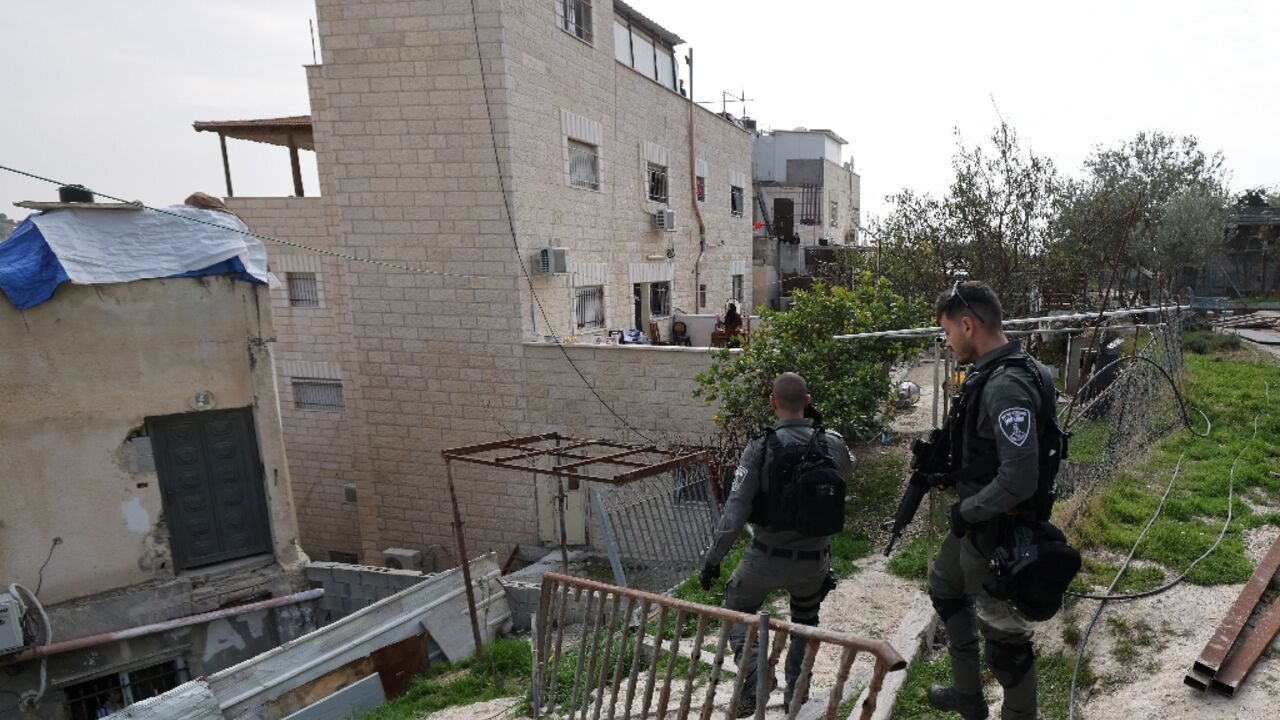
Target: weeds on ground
point(1202, 342)
point(1231, 392)
point(503, 672)
point(1053, 679)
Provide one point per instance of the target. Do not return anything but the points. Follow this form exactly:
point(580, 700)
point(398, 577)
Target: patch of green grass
point(1202, 342)
point(1053, 680)
point(911, 561)
point(913, 703)
point(1089, 441)
point(1230, 391)
point(503, 672)
point(1095, 576)
point(1130, 635)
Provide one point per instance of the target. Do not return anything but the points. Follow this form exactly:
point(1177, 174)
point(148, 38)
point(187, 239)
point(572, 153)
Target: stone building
point(806, 197)
point(145, 476)
point(482, 151)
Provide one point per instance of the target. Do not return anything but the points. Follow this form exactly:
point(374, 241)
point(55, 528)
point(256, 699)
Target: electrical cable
point(31, 698)
point(40, 576)
point(263, 238)
point(511, 224)
point(1231, 484)
point(1177, 394)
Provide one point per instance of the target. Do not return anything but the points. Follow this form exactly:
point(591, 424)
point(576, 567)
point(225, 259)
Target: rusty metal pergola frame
point(569, 458)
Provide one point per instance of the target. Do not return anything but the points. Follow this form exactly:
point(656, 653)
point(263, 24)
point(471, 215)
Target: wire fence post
point(764, 673)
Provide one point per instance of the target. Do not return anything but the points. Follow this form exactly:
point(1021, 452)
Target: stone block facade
point(456, 178)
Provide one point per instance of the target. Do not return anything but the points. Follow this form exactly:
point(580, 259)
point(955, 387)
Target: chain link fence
point(1124, 402)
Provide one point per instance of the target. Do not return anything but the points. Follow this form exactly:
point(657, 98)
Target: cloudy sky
point(104, 93)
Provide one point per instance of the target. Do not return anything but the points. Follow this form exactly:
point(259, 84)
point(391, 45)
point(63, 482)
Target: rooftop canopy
point(293, 132)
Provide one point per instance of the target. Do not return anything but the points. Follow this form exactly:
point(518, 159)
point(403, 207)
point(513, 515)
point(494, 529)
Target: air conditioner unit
point(402, 559)
point(11, 611)
point(664, 220)
point(551, 261)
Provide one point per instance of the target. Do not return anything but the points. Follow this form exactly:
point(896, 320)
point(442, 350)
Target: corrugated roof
point(638, 18)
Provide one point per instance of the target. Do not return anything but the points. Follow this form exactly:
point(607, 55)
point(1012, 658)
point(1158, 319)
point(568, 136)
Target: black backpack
point(805, 487)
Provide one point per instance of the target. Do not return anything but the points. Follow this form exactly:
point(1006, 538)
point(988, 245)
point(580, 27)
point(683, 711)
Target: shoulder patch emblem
point(738, 476)
point(1015, 424)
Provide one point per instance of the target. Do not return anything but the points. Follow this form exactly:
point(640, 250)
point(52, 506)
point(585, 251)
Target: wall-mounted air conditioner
point(402, 559)
point(551, 261)
point(664, 220)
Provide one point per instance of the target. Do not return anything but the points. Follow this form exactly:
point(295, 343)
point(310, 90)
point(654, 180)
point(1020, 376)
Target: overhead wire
point(261, 237)
point(511, 224)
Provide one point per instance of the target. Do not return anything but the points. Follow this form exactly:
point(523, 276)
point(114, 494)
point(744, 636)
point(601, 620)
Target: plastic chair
point(680, 334)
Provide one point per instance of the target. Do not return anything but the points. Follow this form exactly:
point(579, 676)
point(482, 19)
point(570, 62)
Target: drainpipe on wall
point(693, 194)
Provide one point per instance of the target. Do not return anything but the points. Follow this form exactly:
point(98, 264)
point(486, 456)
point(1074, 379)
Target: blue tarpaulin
point(31, 268)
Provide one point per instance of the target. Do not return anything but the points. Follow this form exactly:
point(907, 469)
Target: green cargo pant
point(955, 584)
point(758, 575)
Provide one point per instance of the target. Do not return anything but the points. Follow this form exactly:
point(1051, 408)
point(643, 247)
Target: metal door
point(211, 481)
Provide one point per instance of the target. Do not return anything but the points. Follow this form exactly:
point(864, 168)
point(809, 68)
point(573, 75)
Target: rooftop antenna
point(312, 26)
point(726, 97)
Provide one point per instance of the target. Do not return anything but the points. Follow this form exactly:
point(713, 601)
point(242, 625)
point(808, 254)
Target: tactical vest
point(984, 462)
point(801, 488)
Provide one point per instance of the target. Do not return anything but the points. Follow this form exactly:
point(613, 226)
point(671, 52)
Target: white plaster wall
point(78, 375)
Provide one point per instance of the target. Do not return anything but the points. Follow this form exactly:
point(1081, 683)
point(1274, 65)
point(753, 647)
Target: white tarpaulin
point(97, 246)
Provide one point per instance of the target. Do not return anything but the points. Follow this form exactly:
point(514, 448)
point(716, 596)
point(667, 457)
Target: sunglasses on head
point(955, 293)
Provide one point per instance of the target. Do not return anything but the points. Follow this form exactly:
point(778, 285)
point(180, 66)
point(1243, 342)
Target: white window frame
point(737, 201)
point(660, 173)
point(736, 288)
point(584, 156)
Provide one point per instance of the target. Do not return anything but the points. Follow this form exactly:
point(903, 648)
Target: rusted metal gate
point(630, 654)
point(656, 530)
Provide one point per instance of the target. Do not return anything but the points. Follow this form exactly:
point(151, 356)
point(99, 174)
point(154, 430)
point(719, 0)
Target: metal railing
point(656, 530)
point(630, 651)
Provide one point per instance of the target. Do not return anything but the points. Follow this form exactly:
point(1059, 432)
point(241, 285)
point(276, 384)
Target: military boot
point(969, 707)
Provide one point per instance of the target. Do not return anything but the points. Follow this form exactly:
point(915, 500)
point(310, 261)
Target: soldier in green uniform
point(1002, 433)
point(791, 558)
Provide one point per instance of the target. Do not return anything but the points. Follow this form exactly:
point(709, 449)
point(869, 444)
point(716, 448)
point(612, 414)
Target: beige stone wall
point(436, 359)
point(312, 342)
point(563, 87)
point(651, 387)
point(79, 376)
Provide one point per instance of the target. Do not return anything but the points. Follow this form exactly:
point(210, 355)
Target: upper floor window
point(735, 201)
point(737, 288)
point(835, 213)
point(584, 165)
point(575, 18)
point(702, 188)
point(657, 183)
point(648, 55)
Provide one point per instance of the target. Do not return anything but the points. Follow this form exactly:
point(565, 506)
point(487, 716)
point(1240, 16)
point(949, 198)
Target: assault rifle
point(929, 462)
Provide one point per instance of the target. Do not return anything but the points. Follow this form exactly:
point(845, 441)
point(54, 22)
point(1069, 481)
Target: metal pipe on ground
point(66, 646)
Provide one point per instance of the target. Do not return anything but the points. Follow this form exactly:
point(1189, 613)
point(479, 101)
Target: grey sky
point(105, 93)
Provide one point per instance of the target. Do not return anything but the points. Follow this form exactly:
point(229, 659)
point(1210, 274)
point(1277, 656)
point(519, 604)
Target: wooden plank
point(351, 701)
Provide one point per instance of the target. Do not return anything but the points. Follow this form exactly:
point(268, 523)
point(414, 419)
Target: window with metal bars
point(702, 188)
point(691, 486)
point(317, 393)
point(584, 165)
point(835, 213)
point(735, 201)
point(107, 694)
point(590, 307)
point(702, 296)
point(659, 299)
point(577, 18)
point(737, 288)
point(657, 183)
point(303, 289)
